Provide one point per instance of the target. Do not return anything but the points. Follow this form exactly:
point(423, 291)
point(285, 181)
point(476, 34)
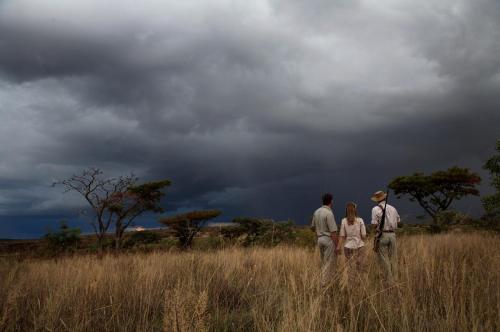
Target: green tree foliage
point(114, 201)
point(253, 231)
point(186, 226)
point(64, 239)
point(491, 203)
point(436, 192)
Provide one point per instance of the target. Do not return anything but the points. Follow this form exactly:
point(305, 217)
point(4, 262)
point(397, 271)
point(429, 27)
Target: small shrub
point(186, 226)
point(255, 231)
point(142, 238)
point(209, 243)
point(450, 217)
point(277, 233)
point(168, 242)
point(436, 229)
point(305, 238)
point(491, 203)
point(412, 229)
point(65, 239)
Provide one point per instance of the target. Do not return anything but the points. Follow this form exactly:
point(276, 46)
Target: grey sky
point(254, 107)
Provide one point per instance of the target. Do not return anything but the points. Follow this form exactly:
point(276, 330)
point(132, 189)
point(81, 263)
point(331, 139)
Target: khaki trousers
point(387, 255)
point(327, 253)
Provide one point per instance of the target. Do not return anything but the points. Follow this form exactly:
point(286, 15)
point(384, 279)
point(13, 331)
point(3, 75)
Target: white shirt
point(353, 233)
point(391, 216)
point(323, 221)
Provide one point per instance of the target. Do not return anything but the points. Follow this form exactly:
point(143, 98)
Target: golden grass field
point(446, 283)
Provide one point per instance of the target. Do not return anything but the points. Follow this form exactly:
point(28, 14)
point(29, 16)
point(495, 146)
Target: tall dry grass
point(445, 283)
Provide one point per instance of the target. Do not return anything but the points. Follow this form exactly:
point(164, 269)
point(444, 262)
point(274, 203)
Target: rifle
point(380, 226)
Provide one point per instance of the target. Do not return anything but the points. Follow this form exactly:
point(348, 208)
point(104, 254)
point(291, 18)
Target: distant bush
point(436, 229)
point(186, 226)
point(255, 231)
point(142, 238)
point(450, 217)
point(304, 237)
point(65, 239)
point(210, 242)
point(491, 203)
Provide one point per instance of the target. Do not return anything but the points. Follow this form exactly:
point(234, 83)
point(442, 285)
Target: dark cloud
point(252, 107)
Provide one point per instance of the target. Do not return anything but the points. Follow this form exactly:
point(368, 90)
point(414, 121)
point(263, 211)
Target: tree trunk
point(100, 241)
point(118, 238)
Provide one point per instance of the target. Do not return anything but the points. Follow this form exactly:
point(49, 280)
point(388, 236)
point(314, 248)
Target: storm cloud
point(253, 107)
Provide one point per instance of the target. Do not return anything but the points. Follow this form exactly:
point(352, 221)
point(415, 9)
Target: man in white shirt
point(323, 224)
point(387, 253)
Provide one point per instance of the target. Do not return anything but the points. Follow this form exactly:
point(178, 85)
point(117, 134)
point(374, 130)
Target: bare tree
point(114, 201)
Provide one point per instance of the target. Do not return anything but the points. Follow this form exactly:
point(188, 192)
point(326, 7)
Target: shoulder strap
point(380, 220)
point(382, 209)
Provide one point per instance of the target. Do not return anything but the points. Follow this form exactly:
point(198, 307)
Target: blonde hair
point(350, 212)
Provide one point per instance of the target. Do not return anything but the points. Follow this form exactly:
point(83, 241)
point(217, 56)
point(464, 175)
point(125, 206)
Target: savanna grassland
point(446, 282)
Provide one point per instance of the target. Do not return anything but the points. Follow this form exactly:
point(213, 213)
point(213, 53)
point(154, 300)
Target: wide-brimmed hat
point(379, 196)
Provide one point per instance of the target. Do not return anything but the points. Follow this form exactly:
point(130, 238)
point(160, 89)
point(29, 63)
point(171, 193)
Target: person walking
point(323, 224)
point(352, 234)
point(387, 249)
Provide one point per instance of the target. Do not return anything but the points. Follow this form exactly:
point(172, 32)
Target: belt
point(388, 231)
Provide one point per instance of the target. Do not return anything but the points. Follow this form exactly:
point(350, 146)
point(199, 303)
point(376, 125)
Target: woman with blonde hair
point(352, 234)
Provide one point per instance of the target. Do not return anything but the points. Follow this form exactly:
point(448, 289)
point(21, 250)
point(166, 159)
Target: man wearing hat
point(387, 245)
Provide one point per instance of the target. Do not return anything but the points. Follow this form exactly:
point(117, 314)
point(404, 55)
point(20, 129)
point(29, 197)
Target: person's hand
point(338, 251)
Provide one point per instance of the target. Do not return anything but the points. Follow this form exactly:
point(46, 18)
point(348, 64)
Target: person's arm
point(338, 248)
point(398, 218)
point(375, 218)
point(341, 238)
point(332, 227)
point(313, 225)
point(335, 237)
point(363, 230)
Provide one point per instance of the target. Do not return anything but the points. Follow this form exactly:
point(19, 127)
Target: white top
point(323, 221)
point(353, 233)
point(391, 216)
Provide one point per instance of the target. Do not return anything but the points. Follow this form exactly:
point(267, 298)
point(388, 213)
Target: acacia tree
point(436, 192)
point(129, 204)
point(491, 203)
point(114, 201)
point(187, 225)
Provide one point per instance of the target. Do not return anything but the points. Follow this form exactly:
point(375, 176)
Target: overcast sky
point(252, 107)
